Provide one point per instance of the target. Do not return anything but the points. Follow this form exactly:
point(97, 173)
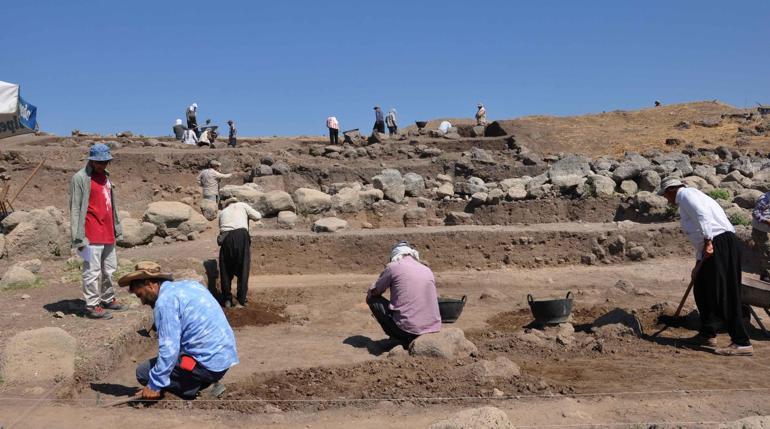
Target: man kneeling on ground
point(196, 345)
point(413, 306)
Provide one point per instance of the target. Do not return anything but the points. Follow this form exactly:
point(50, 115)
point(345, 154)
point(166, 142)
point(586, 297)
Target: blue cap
point(99, 152)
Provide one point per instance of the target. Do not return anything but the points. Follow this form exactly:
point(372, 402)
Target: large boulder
point(446, 189)
point(347, 200)
point(329, 224)
point(666, 164)
point(249, 193)
point(414, 184)
point(287, 219)
point(17, 277)
point(136, 232)
point(476, 418)
point(500, 368)
point(570, 165)
point(649, 180)
point(273, 202)
point(647, 202)
point(748, 198)
point(753, 422)
point(391, 183)
point(41, 232)
point(208, 208)
point(39, 357)
point(173, 218)
point(312, 201)
point(449, 343)
point(370, 196)
point(600, 186)
point(627, 170)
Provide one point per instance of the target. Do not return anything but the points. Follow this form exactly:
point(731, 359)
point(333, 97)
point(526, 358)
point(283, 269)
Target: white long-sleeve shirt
point(701, 218)
point(236, 216)
point(189, 137)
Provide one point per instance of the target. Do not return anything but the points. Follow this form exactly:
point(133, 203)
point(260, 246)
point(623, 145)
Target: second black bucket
point(551, 311)
point(451, 308)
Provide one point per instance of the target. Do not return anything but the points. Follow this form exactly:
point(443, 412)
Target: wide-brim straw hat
point(144, 270)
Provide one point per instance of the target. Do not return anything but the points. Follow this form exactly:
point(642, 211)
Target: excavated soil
point(255, 314)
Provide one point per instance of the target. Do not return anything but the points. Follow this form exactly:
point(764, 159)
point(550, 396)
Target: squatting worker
point(760, 223)
point(413, 306)
point(717, 273)
point(196, 345)
point(209, 180)
point(235, 249)
point(94, 228)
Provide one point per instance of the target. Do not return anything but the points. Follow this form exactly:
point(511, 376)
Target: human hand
point(708, 249)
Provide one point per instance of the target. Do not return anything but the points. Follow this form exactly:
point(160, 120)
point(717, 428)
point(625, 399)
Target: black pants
point(381, 311)
point(379, 126)
point(232, 142)
point(392, 130)
point(718, 290)
point(185, 384)
point(235, 261)
point(334, 136)
point(192, 123)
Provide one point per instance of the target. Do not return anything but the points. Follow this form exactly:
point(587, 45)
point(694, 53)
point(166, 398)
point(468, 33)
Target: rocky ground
point(534, 205)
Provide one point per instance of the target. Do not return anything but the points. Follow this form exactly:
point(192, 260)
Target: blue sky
point(279, 68)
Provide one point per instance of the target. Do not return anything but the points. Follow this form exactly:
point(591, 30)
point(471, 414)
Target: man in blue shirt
point(196, 345)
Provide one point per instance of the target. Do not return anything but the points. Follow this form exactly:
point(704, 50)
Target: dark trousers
point(235, 261)
point(718, 290)
point(232, 142)
point(381, 311)
point(379, 126)
point(185, 384)
point(392, 130)
point(334, 136)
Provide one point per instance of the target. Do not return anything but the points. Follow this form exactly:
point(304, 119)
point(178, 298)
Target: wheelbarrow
point(756, 293)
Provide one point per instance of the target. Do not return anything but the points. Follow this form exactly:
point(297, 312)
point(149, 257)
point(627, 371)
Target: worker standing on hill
point(390, 121)
point(232, 135)
point(334, 129)
point(379, 121)
point(481, 115)
point(192, 119)
point(178, 129)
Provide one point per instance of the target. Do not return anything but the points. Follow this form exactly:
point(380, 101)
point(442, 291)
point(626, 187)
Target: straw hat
point(144, 270)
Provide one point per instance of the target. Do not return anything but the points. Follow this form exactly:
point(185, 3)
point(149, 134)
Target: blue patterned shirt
point(190, 322)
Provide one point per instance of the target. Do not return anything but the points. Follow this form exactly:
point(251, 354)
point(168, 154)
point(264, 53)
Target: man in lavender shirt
point(413, 306)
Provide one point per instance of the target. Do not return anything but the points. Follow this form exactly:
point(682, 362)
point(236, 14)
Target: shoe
point(702, 340)
point(114, 305)
point(239, 305)
point(214, 391)
point(735, 350)
point(97, 313)
point(228, 304)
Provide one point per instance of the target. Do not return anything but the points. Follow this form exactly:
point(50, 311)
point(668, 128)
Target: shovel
point(684, 299)
point(122, 401)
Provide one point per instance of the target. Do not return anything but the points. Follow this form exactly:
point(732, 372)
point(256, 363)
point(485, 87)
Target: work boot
point(702, 340)
point(214, 391)
point(239, 305)
point(228, 303)
point(735, 350)
point(97, 313)
point(114, 305)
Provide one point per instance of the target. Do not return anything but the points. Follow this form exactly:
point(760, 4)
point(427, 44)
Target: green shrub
point(720, 194)
point(739, 219)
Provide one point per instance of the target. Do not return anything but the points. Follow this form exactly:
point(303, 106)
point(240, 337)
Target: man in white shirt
point(235, 249)
point(717, 272)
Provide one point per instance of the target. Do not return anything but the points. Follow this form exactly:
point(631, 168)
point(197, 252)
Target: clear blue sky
point(280, 67)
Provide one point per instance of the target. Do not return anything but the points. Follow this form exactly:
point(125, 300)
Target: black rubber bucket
point(451, 308)
point(551, 311)
point(421, 124)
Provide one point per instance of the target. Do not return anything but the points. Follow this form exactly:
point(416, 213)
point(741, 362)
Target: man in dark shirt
point(379, 120)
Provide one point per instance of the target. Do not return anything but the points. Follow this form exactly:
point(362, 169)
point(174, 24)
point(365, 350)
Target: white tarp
point(9, 98)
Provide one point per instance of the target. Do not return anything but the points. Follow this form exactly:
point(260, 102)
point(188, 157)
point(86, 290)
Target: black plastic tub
point(451, 308)
point(550, 311)
point(421, 124)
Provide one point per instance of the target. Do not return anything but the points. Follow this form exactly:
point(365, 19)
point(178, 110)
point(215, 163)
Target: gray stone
point(391, 183)
point(311, 201)
point(446, 189)
point(601, 186)
point(250, 193)
point(458, 218)
point(603, 163)
point(262, 170)
point(163, 213)
point(208, 208)
point(476, 418)
point(40, 357)
point(443, 178)
point(347, 200)
point(753, 422)
point(647, 202)
point(329, 224)
point(42, 232)
point(449, 343)
point(136, 232)
point(287, 219)
point(649, 180)
point(626, 170)
point(494, 196)
point(479, 198)
point(744, 166)
point(414, 184)
point(629, 187)
point(674, 161)
point(748, 199)
point(273, 202)
point(500, 368)
point(619, 316)
point(570, 165)
point(281, 168)
point(704, 171)
point(697, 183)
point(415, 216)
point(17, 277)
point(13, 219)
point(516, 193)
point(637, 253)
point(480, 155)
point(370, 196)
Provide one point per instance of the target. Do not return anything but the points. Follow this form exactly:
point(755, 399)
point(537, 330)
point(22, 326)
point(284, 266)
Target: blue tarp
point(27, 114)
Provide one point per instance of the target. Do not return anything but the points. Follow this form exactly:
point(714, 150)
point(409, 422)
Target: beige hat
point(229, 201)
point(144, 270)
point(215, 163)
point(670, 182)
